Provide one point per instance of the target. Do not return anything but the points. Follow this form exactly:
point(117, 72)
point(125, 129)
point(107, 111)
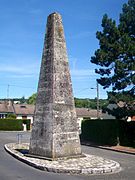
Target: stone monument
point(55, 130)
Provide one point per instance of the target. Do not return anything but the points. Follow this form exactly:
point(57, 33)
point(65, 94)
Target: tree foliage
point(116, 55)
point(32, 99)
point(79, 103)
point(90, 103)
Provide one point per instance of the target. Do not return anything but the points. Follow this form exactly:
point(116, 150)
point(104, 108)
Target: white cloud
point(80, 73)
point(20, 71)
point(7, 68)
point(83, 75)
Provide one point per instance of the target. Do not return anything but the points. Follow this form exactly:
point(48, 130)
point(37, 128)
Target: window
point(23, 106)
point(24, 117)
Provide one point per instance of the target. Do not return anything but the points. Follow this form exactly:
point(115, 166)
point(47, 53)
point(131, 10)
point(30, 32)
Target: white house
point(24, 111)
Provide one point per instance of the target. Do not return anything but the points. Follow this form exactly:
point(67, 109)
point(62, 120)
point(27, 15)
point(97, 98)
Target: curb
point(107, 148)
point(108, 166)
point(117, 150)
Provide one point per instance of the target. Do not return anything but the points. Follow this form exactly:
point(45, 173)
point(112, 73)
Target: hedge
point(108, 132)
point(127, 133)
point(102, 132)
point(14, 124)
point(11, 125)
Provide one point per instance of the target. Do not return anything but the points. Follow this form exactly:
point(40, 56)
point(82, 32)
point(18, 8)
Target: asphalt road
point(12, 169)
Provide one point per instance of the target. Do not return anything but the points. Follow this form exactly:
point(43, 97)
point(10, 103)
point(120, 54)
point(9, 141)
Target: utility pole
point(98, 116)
point(97, 89)
point(8, 92)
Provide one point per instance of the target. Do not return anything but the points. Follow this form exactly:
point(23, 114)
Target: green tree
point(32, 99)
point(90, 103)
point(116, 55)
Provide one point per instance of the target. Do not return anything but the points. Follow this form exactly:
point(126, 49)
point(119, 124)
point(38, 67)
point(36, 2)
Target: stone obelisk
point(55, 130)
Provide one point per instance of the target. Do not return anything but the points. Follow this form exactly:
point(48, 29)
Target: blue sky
point(22, 33)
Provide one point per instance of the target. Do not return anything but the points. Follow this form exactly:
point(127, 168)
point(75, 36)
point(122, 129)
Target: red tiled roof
point(85, 112)
point(24, 109)
point(27, 109)
point(6, 107)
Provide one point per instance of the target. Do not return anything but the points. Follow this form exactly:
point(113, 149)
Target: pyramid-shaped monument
point(55, 130)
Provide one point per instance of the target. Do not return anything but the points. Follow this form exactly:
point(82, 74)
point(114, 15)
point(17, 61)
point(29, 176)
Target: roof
point(24, 109)
point(6, 107)
point(85, 112)
point(27, 109)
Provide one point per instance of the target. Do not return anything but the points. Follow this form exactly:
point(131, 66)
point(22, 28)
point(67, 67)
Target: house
point(122, 104)
point(85, 113)
point(24, 111)
point(6, 108)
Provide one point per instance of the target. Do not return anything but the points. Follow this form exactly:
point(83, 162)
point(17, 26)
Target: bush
point(101, 132)
point(109, 132)
point(11, 125)
point(127, 133)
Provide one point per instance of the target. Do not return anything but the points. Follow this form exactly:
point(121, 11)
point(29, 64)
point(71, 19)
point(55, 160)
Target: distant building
point(16, 102)
point(6, 108)
point(83, 113)
point(24, 111)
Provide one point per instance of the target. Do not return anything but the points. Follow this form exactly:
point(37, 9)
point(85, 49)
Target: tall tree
point(32, 99)
point(116, 54)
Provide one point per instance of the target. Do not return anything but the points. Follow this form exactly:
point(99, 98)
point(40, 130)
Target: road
point(12, 169)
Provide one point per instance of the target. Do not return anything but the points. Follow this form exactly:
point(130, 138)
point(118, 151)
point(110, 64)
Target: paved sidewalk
point(117, 148)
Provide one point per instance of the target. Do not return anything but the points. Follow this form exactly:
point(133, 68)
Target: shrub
point(11, 125)
point(102, 132)
point(109, 132)
point(127, 133)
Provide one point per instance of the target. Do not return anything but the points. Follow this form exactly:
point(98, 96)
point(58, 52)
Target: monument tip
point(55, 13)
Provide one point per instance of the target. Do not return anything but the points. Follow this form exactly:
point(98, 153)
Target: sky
point(22, 32)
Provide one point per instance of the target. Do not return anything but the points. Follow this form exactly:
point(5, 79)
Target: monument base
point(55, 159)
point(87, 165)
